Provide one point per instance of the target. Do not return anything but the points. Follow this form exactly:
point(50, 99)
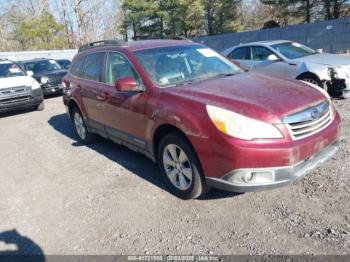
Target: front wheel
point(309, 78)
point(180, 167)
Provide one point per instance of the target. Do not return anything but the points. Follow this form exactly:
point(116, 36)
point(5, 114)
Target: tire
point(41, 106)
point(180, 167)
point(312, 80)
point(81, 130)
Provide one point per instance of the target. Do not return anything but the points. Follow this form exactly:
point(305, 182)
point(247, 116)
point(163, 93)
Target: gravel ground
point(67, 198)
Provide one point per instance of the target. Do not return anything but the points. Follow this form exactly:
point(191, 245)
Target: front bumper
point(339, 88)
point(269, 178)
point(346, 91)
point(21, 101)
point(49, 89)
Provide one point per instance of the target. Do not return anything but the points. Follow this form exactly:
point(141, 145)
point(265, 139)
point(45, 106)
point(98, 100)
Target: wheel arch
point(165, 129)
point(72, 104)
point(308, 74)
point(162, 131)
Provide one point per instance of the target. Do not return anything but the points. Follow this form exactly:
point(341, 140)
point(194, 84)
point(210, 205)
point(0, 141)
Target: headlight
point(44, 80)
point(35, 85)
point(240, 126)
point(336, 73)
point(332, 72)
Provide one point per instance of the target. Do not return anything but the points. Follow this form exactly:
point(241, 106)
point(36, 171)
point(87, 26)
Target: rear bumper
point(273, 177)
point(22, 101)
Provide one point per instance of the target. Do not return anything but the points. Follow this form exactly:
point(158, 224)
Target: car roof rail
point(180, 37)
point(164, 37)
point(101, 43)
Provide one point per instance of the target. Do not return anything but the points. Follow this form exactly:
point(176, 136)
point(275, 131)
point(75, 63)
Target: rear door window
point(94, 66)
point(241, 53)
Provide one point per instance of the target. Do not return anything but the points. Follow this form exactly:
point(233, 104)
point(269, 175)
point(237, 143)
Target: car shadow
point(134, 162)
point(214, 194)
point(137, 163)
point(25, 248)
point(17, 112)
point(54, 95)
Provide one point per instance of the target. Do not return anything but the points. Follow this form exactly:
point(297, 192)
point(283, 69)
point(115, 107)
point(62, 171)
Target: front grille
point(309, 121)
point(14, 90)
point(55, 79)
point(14, 100)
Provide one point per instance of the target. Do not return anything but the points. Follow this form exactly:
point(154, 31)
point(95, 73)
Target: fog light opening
point(248, 177)
point(258, 177)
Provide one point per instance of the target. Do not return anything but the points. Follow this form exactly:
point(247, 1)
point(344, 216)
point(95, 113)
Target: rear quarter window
point(77, 68)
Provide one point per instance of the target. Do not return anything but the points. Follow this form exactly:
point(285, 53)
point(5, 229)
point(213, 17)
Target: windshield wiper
point(223, 75)
point(191, 81)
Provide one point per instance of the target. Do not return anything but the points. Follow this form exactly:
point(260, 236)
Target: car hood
point(254, 95)
point(7, 82)
point(325, 59)
point(52, 73)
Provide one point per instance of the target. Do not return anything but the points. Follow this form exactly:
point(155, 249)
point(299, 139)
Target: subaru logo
point(315, 114)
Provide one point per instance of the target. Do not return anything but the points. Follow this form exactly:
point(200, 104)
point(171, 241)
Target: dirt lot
point(105, 199)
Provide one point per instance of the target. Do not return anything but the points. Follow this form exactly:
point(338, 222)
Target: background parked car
point(64, 63)
point(292, 60)
point(17, 89)
point(47, 72)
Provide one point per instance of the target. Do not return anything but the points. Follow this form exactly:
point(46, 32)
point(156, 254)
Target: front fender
point(189, 124)
point(189, 117)
point(321, 71)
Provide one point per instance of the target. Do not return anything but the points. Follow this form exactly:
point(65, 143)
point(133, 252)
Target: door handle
point(100, 98)
point(103, 96)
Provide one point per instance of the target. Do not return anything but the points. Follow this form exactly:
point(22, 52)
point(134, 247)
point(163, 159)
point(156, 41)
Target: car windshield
point(293, 50)
point(9, 69)
point(64, 63)
point(177, 65)
point(42, 66)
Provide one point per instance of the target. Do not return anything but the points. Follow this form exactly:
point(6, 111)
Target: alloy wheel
point(177, 167)
point(311, 81)
point(79, 126)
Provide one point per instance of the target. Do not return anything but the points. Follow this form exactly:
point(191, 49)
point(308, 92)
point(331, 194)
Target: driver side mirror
point(272, 57)
point(30, 73)
point(126, 84)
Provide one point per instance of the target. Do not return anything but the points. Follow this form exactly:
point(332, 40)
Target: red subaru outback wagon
point(205, 122)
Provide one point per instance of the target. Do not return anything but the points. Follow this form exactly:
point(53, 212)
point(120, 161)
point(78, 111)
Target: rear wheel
point(80, 127)
point(180, 167)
